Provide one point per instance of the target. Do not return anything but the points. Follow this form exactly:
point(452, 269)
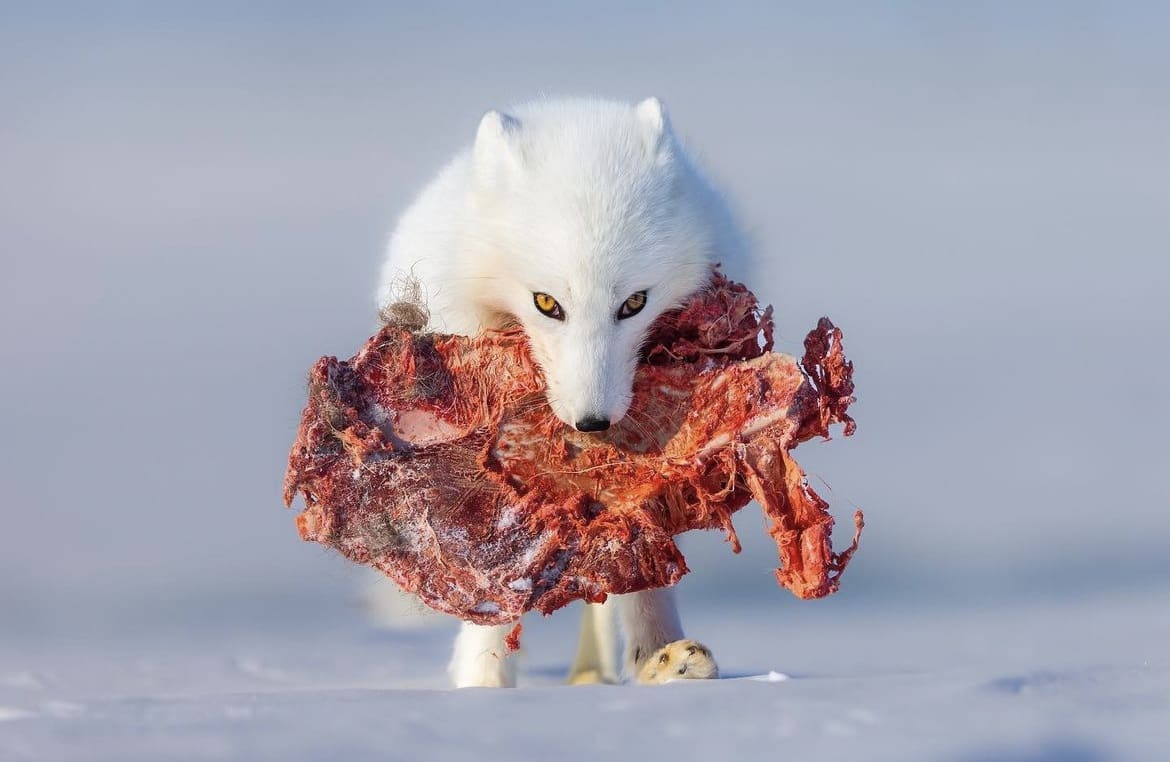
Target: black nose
point(593, 423)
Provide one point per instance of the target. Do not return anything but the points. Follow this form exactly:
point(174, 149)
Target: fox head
point(586, 222)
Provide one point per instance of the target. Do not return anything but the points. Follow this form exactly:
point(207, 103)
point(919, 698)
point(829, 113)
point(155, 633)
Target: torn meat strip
point(436, 459)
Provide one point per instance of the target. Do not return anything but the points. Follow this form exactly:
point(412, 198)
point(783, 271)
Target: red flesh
point(436, 460)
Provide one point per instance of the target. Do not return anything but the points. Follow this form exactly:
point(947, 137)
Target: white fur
point(480, 658)
point(589, 201)
point(597, 646)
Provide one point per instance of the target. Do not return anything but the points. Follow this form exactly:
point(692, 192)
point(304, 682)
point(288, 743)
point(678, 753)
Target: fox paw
point(680, 660)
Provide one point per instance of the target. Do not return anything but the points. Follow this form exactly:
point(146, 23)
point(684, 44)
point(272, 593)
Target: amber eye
point(548, 306)
point(632, 306)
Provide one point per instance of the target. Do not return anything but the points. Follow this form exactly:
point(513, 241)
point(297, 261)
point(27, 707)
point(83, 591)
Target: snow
point(1081, 680)
point(486, 607)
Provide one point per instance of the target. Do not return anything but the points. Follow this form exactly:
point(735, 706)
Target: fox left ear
point(496, 154)
point(652, 114)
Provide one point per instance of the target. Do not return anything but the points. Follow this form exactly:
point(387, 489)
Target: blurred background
point(195, 199)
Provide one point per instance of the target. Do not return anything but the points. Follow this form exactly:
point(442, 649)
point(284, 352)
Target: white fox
point(582, 220)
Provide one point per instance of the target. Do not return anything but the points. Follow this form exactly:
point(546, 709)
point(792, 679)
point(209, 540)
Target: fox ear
point(652, 114)
point(496, 151)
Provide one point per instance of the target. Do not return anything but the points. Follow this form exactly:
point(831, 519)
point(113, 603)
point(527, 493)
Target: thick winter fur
point(589, 202)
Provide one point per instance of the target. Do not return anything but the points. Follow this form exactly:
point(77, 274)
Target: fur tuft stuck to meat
point(436, 460)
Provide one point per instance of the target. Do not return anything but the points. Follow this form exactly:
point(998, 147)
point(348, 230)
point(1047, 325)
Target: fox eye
point(548, 306)
point(632, 306)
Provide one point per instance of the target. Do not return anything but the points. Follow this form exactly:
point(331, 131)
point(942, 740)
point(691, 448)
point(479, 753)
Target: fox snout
point(590, 391)
point(589, 413)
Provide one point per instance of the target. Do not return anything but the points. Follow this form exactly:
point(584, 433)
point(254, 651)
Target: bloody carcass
point(436, 460)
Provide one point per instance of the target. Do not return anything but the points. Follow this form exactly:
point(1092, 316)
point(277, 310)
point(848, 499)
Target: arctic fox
point(581, 220)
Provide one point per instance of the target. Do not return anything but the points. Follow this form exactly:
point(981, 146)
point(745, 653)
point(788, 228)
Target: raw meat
point(435, 459)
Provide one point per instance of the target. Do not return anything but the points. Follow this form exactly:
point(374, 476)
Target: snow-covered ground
point(193, 203)
point(1077, 680)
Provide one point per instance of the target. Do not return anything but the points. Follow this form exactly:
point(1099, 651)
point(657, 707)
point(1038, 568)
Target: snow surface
point(193, 204)
point(1087, 680)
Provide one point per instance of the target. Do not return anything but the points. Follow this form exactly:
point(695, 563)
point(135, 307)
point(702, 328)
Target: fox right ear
point(652, 114)
point(496, 151)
